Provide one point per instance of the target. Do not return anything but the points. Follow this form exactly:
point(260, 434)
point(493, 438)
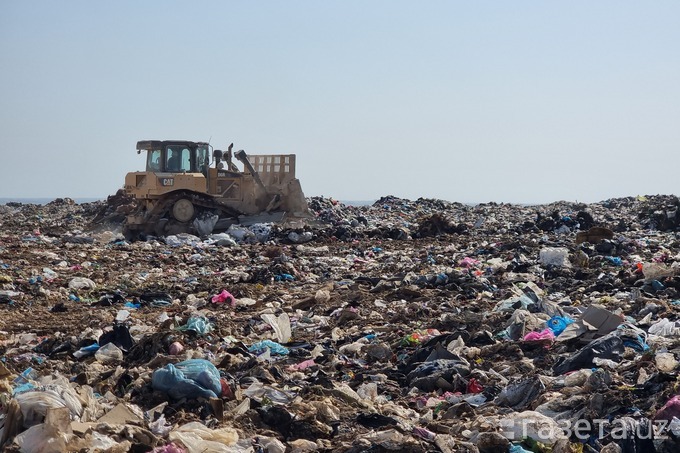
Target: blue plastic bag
point(86, 351)
point(195, 378)
point(273, 346)
point(558, 323)
point(199, 324)
point(615, 260)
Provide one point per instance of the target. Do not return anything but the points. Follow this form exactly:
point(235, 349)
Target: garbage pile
point(412, 326)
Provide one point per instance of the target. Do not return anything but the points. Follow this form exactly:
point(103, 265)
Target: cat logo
point(166, 182)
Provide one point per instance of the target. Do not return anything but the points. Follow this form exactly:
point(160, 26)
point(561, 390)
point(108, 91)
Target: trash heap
point(412, 326)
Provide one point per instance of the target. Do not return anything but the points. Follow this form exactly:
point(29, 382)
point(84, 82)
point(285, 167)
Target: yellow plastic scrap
point(576, 447)
point(538, 447)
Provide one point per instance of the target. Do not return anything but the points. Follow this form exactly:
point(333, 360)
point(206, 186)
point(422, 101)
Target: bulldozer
point(190, 187)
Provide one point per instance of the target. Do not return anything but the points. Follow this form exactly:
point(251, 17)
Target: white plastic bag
point(665, 328)
point(35, 404)
point(197, 438)
point(281, 326)
point(48, 437)
point(81, 283)
point(109, 353)
point(554, 256)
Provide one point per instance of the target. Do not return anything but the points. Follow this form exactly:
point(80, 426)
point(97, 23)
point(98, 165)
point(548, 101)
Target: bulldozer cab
point(175, 156)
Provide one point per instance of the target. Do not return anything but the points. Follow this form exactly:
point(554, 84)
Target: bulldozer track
point(201, 202)
point(198, 200)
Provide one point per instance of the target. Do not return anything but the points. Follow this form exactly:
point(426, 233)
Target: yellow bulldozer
point(189, 187)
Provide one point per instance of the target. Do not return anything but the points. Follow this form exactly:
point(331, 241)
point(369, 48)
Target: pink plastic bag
point(302, 365)
point(547, 334)
point(669, 410)
point(223, 297)
point(169, 448)
point(468, 262)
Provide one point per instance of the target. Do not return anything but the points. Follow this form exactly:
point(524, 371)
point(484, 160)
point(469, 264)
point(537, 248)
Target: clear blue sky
point(520, 101)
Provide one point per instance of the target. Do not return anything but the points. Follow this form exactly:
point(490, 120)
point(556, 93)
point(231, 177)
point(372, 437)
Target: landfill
point(401, 326)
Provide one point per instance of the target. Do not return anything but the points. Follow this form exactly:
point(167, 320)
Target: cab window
point(202, 159)
point(178, 159)
point(153, 162)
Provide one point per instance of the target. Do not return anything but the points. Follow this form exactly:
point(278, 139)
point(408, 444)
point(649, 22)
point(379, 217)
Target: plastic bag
point(554, 256)
point(198, 324)
point(122, 315)
point(665, 328)
point(182, 239)
point(519, 394)
point(521, 322)
point(558, 323)
point(512, 303)
point(577, 378)
point(35, 404)
point(636, 435)
point(195, 378)
point(86, 351)
point(257, 391)
point(518, 425)
point(222, 239)
point(197, 438)
point(175, 348)
point(109, 353)
point(517, 449)
point(119, 336)
point(666, 362)
point(546, 334)
point(48, 437)
point(300, 238)
point(274, 347)
point(81, 283)
point(607, 347)
point(241, 234)
point(281, 326)
point(223, 297)
point(657, 271)
point(262, 231)
point(271, 444)
point(669, 410)
point(368, 391)
point(160, 426)
point(205, 224)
